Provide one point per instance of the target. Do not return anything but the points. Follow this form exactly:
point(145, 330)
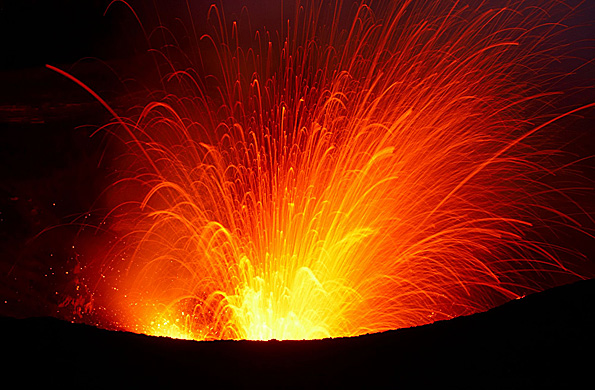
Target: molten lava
point(358, 170)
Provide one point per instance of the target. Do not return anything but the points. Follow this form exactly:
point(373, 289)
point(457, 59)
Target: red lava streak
point(359, 169)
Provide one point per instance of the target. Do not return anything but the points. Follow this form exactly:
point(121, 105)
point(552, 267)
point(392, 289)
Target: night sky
point(51, 170)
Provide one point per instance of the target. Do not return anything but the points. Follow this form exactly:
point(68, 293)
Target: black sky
point(49, 166)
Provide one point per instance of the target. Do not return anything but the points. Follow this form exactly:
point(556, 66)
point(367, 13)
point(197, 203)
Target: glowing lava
point(333, 178)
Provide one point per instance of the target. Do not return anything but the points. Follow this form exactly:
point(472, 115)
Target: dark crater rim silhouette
point(542, 340)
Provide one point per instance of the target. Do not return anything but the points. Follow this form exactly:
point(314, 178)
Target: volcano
point(299, 172)
point(544, 340)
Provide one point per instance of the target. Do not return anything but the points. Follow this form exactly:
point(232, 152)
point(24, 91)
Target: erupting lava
point(357, 170)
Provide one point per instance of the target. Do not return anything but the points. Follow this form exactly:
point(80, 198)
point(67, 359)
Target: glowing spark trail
point(333, 178)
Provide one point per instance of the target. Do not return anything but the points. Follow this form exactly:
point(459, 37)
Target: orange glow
point(334, 180)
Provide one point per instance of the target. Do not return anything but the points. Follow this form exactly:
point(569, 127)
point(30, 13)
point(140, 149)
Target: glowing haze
point(358, 170)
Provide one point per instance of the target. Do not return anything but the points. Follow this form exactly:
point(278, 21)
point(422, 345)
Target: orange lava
point(333, 178)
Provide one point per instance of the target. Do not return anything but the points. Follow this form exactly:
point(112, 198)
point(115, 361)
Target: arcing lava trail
point(360, 169)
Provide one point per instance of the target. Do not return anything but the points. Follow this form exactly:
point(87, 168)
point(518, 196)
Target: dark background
point(52, 171)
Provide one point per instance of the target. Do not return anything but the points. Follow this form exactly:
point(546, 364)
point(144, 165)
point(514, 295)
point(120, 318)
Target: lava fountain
point(362, 168)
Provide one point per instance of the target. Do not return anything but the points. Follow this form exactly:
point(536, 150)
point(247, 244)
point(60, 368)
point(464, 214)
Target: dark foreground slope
point(543, 340)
